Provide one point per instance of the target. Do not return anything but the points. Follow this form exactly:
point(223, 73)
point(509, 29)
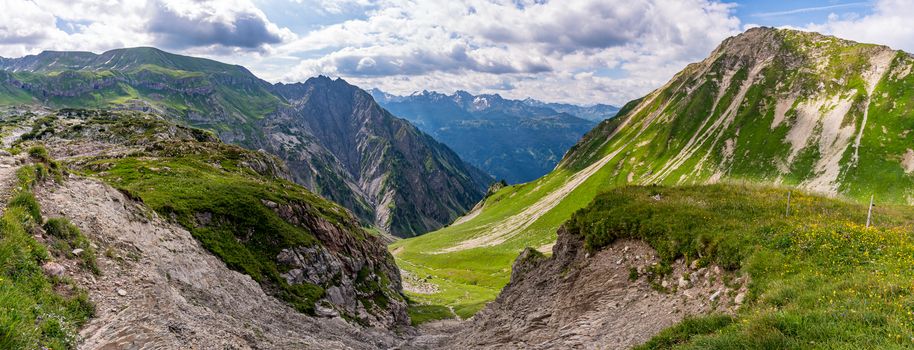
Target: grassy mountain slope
point(818, 278)
point(727, 268)
point(773, 106)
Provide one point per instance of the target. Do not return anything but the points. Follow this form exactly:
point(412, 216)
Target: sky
point(576, 51)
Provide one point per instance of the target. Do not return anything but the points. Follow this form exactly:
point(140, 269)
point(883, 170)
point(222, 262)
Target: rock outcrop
point(608, 299)
point(159, 288)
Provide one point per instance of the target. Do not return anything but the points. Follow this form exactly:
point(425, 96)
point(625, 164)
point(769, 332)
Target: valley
point(512, 140)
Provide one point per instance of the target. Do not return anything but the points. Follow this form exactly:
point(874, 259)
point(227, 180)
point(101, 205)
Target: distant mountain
point(335, 138)
point(510, 139)
point(597, 112)
point(409, 182)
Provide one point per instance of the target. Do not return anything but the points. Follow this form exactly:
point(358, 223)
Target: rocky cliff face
point(771, 105)
point(337, 142)
point(405, 180)
point(517, 141)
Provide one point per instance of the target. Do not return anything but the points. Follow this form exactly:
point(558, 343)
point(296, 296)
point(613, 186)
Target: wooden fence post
point(869, 213)
point(787, 213)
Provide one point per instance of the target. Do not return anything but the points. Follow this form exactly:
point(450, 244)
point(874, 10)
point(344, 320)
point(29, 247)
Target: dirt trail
point(160, 289)
point(8, 167)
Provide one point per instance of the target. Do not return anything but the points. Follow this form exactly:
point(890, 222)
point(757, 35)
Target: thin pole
point(787, 213)
point(869, 213)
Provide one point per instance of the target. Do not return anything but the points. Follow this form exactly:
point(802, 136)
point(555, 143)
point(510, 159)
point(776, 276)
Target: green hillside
point(819, 278)
point(770, 106)
point(200, 92)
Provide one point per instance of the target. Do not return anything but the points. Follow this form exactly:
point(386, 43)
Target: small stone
point(684, 283)
point(625, 250)
point(619, 262)
point(694, 265)
point(53, 269)
point(664, 284)
point(78, 251)
point(323, 311)
point(121, 292)
point(715, 295)
point(740, 298)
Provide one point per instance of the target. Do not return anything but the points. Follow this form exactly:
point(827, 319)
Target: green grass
point(819, 277)
point(33, 314)
point(419, 314)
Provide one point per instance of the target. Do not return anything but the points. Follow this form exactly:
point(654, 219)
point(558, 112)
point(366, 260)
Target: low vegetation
point(819, 277)
point(38, 312)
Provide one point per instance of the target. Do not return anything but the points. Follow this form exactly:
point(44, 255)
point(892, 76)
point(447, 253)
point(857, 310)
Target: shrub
point(26, 201)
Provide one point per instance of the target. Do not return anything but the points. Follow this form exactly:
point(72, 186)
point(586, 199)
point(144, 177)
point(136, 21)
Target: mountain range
point(336, 139)
point(514, 140)
point(732, 207)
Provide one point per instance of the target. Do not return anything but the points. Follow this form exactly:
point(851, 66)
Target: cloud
point(888, 24)
point(202, 27)
point(179, 25)
point(24, 24)
point(401, 44)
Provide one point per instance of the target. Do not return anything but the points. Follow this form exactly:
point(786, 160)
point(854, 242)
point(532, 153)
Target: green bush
point(61, 228)
point(39, 153)
point(27, 201)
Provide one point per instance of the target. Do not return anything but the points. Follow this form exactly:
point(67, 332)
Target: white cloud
point(888, 24)
point(557, 50)
point(210, 26)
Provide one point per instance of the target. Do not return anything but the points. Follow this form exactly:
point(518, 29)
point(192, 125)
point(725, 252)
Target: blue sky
point(580, 51)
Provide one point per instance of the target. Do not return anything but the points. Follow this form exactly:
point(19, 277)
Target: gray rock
point(684, 283)
point(53, 269)
point(715, 296)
